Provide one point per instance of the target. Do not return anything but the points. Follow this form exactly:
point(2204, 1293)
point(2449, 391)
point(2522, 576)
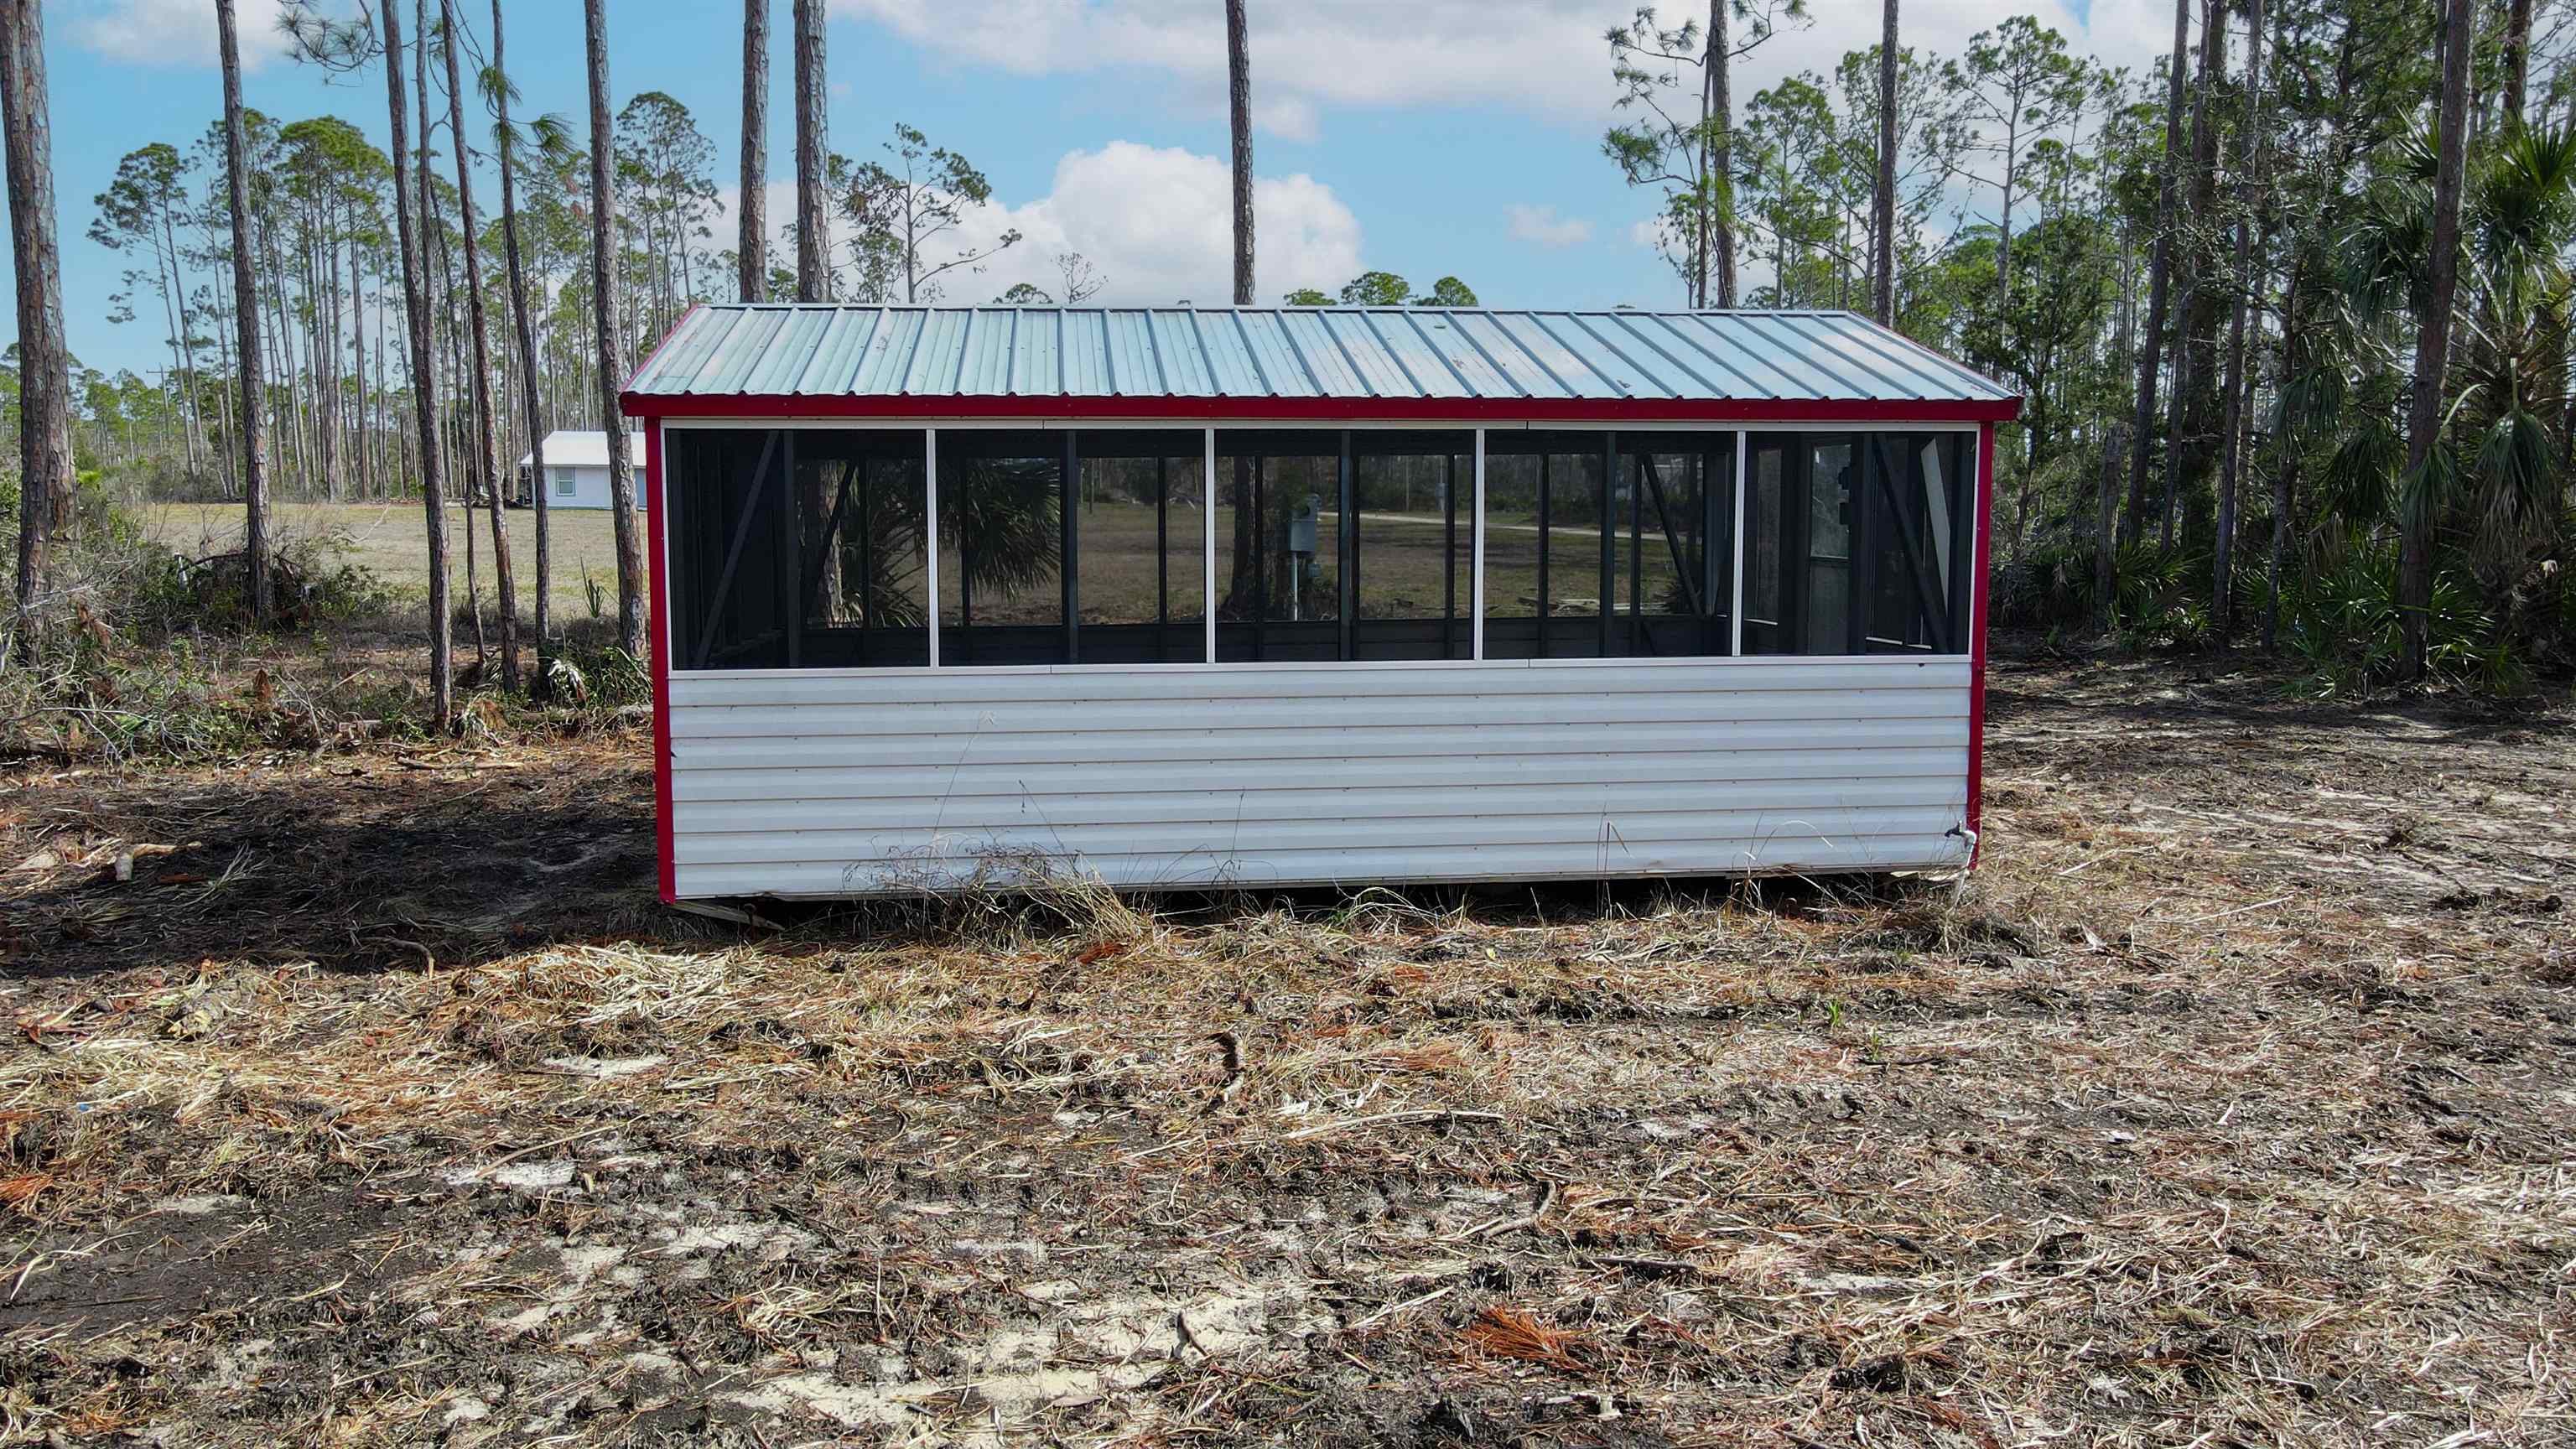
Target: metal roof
point(580, 448)
point(1415, 356)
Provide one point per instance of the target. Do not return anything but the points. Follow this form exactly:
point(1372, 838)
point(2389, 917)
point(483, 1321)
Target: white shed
point(577, 468)
point(1315, 596)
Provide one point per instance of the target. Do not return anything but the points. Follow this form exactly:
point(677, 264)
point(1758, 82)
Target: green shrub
point(2345, 624)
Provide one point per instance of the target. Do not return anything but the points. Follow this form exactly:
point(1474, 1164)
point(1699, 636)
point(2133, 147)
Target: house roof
point(579, 448)
point(824, 359)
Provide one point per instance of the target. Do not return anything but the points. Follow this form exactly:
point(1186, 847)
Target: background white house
point(577, 468)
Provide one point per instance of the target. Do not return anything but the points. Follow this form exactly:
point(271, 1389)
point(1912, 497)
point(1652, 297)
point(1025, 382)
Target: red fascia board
point(1978, 611)
point(1572, 412)
point(665, 848)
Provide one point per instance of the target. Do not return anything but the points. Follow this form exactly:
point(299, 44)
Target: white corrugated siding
point(850, 783)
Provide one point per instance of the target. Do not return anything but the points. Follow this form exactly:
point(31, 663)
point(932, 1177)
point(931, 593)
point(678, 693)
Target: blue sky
point(1425, 137)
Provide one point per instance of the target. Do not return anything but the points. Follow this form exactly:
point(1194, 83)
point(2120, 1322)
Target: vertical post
point(1449, 558)
point(793, 555)
point(1712, 526)
point(1546, 546)
point(663, 640)
point(672, 601)
point(1162, 547)
point(1348, 546)
point(1743, 483)
point(1862, 569)
point(1606, 526)
point(1637, 557)
point(1260, 550)
point(930, 538)
point(1985, 485)
point(1476, 587)
point(1069, 553)
point(1207, 547)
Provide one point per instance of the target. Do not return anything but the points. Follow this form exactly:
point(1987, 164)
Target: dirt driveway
point(365, 1098)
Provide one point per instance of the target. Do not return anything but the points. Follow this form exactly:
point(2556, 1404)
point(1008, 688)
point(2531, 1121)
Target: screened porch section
point(849, 547)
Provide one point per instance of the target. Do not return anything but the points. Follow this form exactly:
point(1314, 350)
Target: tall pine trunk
point(541, 610)
point(254, 428)
point(2106, 519)
point(44, 379)
point(813, 233)
point(1883, 214)
point(2285, 482)
point(407, 227)
point(2249, 161)
point(751, 246)
point(1238, 54)
point(485, 468)
point(2159, 277)
point(1238, 74)
point(443, 311)
point(2517, 59)
point(2433, 340)
point(1718, 103)
point(612, 369)
point(2194, 445)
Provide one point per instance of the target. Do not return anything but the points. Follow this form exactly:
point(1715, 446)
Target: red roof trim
point(1575, 412)
point(666, 855)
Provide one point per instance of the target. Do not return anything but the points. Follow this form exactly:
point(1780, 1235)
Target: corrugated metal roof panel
point(775, 367)
point(1136, 370)
point(836, 358)
point(1575, 375)
point(1402, 354)
point(937, 356)
point(1283, 371)
point(1333, 372)
point(1799, 375)
point(1380, 371)
point(676, 361)
point(1084, 343)
point(1474, 373)
point(729, 366)
point(985, 368)
point(1176, 343)
point(889, 352)
point(1036, 361)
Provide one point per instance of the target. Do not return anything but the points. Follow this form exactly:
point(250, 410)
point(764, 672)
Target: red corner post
point(1977, 642)
point(658, 504)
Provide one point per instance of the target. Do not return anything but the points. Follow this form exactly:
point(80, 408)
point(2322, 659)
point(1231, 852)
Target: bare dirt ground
point(365, 1097)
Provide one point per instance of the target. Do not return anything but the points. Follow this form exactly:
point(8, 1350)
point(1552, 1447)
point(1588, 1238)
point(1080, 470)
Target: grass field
point(1401, 568)
point(388, 540)
point(364, 1096)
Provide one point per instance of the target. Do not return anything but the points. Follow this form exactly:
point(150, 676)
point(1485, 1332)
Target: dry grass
point(387, 540)
point(2166, 1131)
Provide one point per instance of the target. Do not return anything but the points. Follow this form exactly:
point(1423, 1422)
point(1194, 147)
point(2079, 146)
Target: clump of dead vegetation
point(155, 658)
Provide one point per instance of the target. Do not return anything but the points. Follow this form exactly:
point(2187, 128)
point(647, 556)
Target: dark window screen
point(1279, 545)
point(1857, 543)
point(1003, 540)
point(795, 548)
point(1412, 545)
point(1601, 545)
point(1140, 530)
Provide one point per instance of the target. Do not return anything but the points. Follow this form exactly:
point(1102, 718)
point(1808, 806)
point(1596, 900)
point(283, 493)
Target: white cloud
point(1156, 224)
point(176, 32)
point(1648, 233)
point(1305, 56)
point(1547, 57)
point(1541, 226)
